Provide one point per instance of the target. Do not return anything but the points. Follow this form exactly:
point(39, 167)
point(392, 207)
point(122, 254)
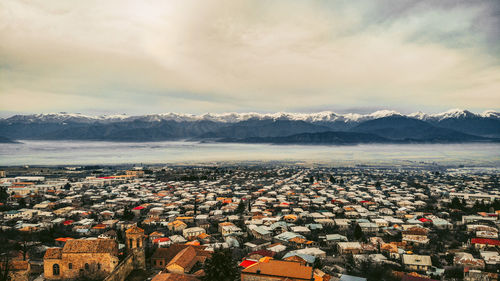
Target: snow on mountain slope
point(453, 114)
point(233, 117)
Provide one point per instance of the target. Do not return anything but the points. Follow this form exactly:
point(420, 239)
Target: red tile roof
point(247, 263)
point(485, 241)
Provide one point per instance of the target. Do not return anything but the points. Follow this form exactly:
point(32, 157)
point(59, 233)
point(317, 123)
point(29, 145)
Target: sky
point(141, 57)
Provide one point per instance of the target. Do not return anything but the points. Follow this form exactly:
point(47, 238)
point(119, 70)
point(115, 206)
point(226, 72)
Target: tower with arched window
point(134, 237)
point(135, 243)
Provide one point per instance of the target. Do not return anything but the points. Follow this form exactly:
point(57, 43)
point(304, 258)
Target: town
point(249, 222)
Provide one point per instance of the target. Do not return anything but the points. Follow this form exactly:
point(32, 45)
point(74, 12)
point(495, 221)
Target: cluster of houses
point(279, 222)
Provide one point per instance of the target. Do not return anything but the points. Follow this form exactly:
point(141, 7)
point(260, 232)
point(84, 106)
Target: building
point(135, 244)
point(186, 260)
point(135, 173)
point(95, 258)
point(192, 232)
point(417, 262)
point(274, 270)
point(163, 256)
point(349, 248)
point(135, 238)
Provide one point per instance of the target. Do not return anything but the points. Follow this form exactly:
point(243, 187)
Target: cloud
point(192, 56)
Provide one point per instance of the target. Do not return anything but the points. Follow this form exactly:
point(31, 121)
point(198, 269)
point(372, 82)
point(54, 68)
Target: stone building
point(135, 243)
point(95, 258)
point(135, 238)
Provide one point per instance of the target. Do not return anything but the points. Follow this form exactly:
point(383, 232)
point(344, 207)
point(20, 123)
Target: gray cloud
point(187, 56)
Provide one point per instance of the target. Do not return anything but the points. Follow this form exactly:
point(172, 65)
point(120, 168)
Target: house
point(416, 235)
point(342, 224)
point(467, 260)
point(276, 247)
point(417, 262)
point(274, 270)
point(302, 258)
point(228, 228)
point(332, 239)
point(187, 259)
point(177, 226)
point(155, 235)
point(177, 239)
point(260, 233)
point(163, 256)
point(349, 248)
point(481, 243)
point(442, 224)
point(257, 244)
point(367, 227)
point(192, 232)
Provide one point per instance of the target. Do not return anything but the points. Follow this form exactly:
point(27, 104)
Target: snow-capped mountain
point(450, 114)
point(452, 125)
point(233, 117)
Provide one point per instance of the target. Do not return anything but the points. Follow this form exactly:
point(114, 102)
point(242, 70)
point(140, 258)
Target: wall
point(135, 260)
point(122, 270)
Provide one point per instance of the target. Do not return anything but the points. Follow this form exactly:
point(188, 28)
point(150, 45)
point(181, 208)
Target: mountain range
point(384, 126)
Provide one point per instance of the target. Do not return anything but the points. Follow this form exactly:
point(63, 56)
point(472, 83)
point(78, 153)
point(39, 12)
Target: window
point(70, 265)
point(55, 269)
point(130, 241)
point(87, 266)
point(98, 266)
point(138, 242)
point(161, 263)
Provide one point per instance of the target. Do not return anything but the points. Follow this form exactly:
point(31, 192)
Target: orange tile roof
point(135, 229)
point(203, 236)
point(63, 239)
point(53, 253)
point(91, 246)
point(184, 258)
point(280, 268)
point(174, 277)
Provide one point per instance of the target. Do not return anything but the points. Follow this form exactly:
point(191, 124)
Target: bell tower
point(135, 244)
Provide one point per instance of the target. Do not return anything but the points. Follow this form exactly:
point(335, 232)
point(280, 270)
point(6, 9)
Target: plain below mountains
point(455, 126)
point(6, 140)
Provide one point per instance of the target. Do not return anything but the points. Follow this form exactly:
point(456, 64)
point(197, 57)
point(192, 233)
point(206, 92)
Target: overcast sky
point(136, 57)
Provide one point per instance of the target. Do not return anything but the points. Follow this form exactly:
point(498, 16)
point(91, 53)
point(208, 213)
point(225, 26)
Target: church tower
point(135, 245)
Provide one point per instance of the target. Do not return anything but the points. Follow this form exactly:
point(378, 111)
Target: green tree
point(22, 203)
point(195, 208)
point(127, 214)
point(3, 194)
point(358, 233)
point(332, 179)
point(241, 207)
point(221, 267)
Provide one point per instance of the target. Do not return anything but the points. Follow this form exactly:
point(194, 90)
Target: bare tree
point(4, 267)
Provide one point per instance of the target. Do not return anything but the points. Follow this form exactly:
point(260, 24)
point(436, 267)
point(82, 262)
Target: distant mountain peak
point(491, 114)
point(233, 117)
